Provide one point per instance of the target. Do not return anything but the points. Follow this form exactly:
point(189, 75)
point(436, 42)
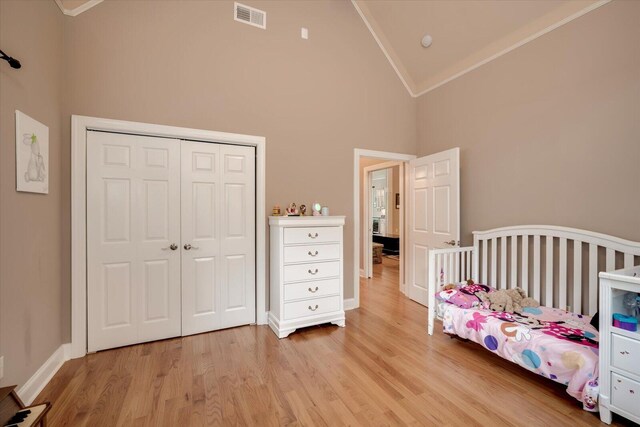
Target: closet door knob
point(314, 308)
point(313, 254)
point(172, 246)
point(188, 247)
point(313, 272)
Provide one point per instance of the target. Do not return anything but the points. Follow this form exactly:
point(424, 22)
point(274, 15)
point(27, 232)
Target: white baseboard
point(34, 385)
point(349, 304)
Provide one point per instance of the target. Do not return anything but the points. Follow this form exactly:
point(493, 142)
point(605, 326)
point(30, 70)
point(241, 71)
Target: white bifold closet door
point(133, 217)
point(170, 238)
point(218, 231)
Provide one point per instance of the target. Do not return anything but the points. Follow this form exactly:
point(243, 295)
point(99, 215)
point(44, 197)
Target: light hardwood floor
point(382, 369)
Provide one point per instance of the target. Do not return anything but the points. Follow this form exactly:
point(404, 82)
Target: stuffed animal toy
point(507, 300)
point(449, 286)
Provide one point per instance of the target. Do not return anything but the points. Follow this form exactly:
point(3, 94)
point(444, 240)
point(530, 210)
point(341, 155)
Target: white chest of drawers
point(306, 286)
point(619, 348)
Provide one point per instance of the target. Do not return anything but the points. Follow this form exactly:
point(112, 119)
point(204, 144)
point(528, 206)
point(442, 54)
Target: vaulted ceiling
point(466, 33)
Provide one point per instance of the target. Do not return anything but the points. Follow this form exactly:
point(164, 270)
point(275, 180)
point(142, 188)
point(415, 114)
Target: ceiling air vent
point(250, 15)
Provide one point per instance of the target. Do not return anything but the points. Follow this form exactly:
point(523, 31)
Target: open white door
point(434, 214)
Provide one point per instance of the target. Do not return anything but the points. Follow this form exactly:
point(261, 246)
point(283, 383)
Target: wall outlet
point(304, 33)
point(1, 367)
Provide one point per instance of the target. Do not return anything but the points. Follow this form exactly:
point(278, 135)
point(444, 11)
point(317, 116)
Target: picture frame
point(32, 155)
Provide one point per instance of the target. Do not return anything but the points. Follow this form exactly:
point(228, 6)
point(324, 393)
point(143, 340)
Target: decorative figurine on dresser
point(619, 344)
point(306, 272)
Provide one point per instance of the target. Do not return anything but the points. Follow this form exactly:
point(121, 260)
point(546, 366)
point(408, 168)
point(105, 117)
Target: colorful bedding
point(554, 343)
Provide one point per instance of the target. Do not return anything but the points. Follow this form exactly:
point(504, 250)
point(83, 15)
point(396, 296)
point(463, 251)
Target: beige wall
point(549, 133)
point(34, 232)
point(190, 64)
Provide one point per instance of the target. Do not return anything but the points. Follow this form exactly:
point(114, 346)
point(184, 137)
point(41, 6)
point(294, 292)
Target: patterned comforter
point(554, 343)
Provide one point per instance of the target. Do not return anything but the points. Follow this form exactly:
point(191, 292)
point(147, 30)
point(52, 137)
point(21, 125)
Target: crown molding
point(78, 10)
point(403, 76)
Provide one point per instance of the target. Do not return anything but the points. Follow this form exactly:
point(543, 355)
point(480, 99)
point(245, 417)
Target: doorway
point(382, 216)
point(431, 219)
point(363, 237)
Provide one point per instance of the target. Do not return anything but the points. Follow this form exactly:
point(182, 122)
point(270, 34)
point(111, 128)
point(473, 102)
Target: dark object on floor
point(13, 411)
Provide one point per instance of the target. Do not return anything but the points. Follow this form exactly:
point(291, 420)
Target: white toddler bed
point(557, 266)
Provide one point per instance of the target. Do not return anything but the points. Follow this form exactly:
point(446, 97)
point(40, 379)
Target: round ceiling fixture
point(427, 40)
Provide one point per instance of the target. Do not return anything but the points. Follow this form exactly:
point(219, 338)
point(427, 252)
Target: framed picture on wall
point(32, 155)
point(397, 200)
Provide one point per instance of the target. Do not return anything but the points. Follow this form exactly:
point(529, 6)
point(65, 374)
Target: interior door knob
point(172, 246)
point(188, 246)
point(451, 243)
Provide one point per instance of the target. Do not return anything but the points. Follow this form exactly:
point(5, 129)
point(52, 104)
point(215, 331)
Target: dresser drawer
point(311, 271)
point(625, 354)
point(310, 235)
point(295, 310)
point(311, 253)
point(314, 289)
point(625, 394)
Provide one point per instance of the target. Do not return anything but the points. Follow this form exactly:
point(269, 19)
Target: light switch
point(304, 33)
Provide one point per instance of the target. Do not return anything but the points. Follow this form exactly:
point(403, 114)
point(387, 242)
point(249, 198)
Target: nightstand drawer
point(311, 271)
point(294, 310)
point(625, 394)
point(311, 253)
point(317, 288)
point(625, 354)
point(312, 235)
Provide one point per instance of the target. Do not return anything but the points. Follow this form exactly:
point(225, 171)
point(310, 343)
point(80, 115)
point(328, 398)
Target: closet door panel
point(158, 227)
point(201, 204)
point(238, 235)
point(133, 286)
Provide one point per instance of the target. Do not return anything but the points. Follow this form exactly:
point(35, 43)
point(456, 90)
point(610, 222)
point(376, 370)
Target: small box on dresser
point(619, 348)
point(306, 286)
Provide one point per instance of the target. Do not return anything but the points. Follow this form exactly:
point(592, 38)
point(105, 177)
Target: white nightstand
point(619, 349)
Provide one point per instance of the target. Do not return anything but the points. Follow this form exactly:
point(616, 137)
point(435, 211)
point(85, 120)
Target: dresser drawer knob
point(312, 254)
point(624, 353)
point(313, 291)
point(313, 308)
point(313, 236)
point(313, 272)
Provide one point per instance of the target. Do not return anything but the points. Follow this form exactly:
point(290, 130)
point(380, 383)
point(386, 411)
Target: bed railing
point(558, 266)
point(451, 265)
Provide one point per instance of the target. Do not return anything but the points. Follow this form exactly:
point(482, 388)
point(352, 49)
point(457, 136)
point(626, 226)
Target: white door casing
point(133, 218)
point(434, 214)
point(218, 236)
